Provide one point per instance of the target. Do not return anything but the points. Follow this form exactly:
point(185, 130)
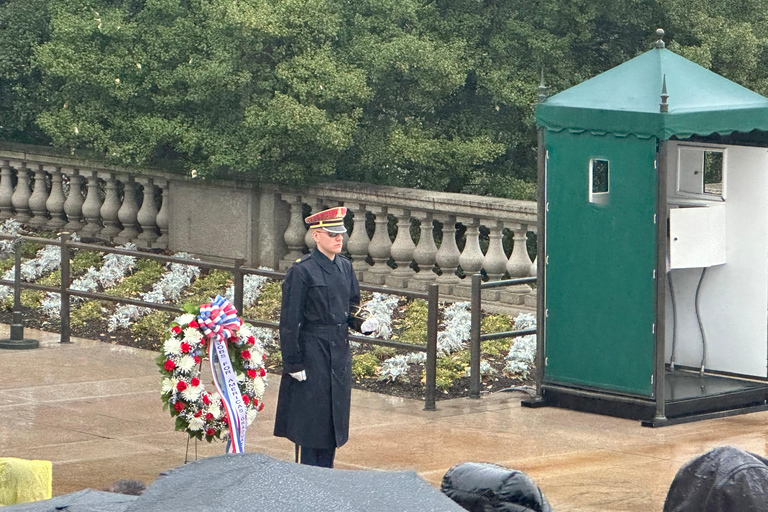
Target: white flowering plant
point(199, 412)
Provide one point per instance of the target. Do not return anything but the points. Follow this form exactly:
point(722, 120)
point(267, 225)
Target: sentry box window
point(700, 171)
point(598, 181)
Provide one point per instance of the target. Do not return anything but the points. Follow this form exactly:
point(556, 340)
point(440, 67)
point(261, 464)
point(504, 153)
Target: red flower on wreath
point(251, 374)
point(251, 340)
point(245, 354)
point(169, 365)
point(262, 372)
point(207, 399)
point(181, 386)
point(178, 406)
point(195, 381)
point(176, 329)
point(197, 359)
point(210, 432)
point(185, 347)
point(246, 400)
point(198, 414)
point(194, 324)
point(261, 406)
point(209, 416)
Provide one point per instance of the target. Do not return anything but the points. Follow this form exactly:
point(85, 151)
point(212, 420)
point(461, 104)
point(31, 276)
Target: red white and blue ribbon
point(218, 320)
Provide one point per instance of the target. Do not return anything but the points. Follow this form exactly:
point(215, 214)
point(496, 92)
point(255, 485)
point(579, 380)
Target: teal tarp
point(625, 100)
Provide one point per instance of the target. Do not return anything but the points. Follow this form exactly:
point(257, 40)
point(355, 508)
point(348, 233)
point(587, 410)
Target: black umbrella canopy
point(86, 500)
point(250, 481)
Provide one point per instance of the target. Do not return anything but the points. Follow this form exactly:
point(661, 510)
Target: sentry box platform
point(653, 267)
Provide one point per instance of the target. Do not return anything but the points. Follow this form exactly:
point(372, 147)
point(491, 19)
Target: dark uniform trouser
point(322, 457)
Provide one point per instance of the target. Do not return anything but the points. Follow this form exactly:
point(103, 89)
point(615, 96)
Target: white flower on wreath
point(186, 364)
point(192, 336)
point(172, 346)
point(216, 411)
point(240, 377)
point(259, 386)
point(196, 424)
point(250, 416)
point(168, 385)
point(192, 393)
point(184, 319)
point(245, 331)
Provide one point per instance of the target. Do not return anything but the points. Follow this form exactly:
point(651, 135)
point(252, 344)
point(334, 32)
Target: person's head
point(328, 243)
point(328, 230)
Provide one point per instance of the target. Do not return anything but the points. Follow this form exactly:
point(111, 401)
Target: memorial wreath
point(212, 331)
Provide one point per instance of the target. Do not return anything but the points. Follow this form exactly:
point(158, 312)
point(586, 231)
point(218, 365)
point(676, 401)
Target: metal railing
point(475, 336)
point(238, 274)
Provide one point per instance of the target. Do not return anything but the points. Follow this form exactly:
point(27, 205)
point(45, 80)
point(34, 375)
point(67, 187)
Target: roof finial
point(543, 91)
point(663, 106)
point(660, 42)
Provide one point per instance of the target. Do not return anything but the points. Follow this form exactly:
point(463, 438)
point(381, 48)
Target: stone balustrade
point(407, 238)
point(402, 238)
point(96, 202)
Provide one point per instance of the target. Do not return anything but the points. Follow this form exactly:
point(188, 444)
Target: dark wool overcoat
point(314, 322)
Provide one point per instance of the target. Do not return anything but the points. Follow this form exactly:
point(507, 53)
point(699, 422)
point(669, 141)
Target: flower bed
point(505, 363)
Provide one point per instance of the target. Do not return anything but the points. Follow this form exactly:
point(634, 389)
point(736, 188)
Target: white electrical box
point(697, 236)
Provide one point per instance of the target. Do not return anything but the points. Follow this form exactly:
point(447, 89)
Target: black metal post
point(659, 373)
point(431, 365)
point(237, 278)
point(541, 265)
point(65, 282)
point(474, 339)
point(17, 340)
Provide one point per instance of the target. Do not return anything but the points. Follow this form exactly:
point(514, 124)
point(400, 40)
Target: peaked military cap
point(331, 220)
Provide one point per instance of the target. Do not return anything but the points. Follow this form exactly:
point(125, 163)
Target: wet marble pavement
point(93, 409)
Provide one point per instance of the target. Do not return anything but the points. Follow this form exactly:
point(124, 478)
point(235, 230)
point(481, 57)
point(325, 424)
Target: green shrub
point(493, 324)
point(364, 365)
point(32, 298)
point(90, 311)
point(208, 286)
point(29, 249)
point(152, 325)
point(147, 272)
point(7, 264)
point(413, 324)
point(450, 368)
point(268, 305)
point(383, 353)
point(84, 260)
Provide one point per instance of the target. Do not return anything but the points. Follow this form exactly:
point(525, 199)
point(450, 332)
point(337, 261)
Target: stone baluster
point(425, 252)
point(402, 250)
point(471, 259)
point(128, 212)
point(55, 202)
point(495, 261)
point(91, 205)
point(379, 247)
point(447, 257)
point(315, 205)
point(147, 214)
point(294, 234)
point(73, 206)
point(20, 198)
point(6, 190)
point(534, 263)
point(38, 199)
point(162, 216)
point(518, 265)
point(109, 208)
point(357, 244)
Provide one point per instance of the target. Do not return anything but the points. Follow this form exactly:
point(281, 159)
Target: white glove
point(369, 326)
point(299, 376)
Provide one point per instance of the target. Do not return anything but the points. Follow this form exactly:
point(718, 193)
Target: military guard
point(321, 299)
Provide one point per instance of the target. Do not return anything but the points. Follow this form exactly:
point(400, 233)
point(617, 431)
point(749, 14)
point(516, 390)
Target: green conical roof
point(625, 100)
